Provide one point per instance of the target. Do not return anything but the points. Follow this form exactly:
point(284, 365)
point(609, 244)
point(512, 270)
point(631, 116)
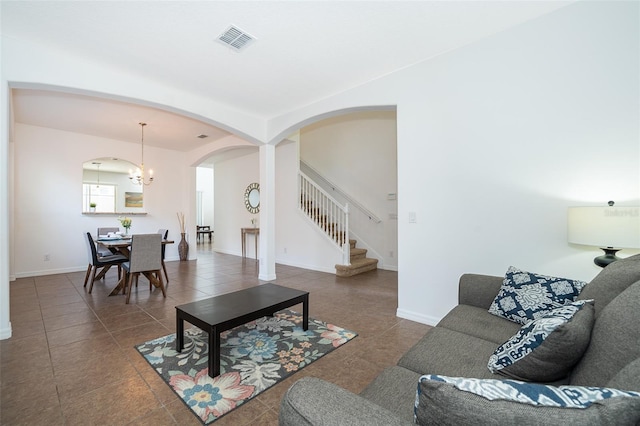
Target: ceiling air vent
point(235, 38)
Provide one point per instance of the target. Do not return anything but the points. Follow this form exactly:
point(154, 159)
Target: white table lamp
point(610, 228)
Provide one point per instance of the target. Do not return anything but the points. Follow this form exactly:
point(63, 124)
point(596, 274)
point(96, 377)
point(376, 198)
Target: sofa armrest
point(312, 401)
point(478, 290)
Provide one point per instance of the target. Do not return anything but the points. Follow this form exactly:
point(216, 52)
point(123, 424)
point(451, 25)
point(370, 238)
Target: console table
point(243, 236)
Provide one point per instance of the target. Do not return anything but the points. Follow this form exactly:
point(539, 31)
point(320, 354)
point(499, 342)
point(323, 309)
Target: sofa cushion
point(611, 281)
point(454, 401)
point(525, 296)
point(546, 349)
point(478, 290)
point(628, 378)
point(312, 401)
point(614, 340)
point(479, 323)
point(394, 389)
point(450, 353)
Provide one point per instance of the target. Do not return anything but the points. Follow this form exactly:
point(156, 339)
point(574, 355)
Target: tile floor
point(71, 359)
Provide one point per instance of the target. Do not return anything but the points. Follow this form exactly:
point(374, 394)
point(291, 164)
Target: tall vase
point(183, 248)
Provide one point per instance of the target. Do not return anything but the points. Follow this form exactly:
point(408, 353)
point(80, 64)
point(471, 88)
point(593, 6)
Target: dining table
point(122, 243)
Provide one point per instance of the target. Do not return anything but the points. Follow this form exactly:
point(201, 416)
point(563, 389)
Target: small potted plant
point(92, 207)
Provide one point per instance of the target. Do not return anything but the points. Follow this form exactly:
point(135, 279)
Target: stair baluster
point(326, 213)
point(333, 220)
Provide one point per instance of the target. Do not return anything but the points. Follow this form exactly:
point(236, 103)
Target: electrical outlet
point(285, 250)
point(391, 253)
point(47, 257)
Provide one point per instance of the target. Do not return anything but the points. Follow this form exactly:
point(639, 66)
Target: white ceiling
point(304, 51)
point(111, 119)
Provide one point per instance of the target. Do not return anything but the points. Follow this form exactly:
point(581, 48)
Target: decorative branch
point(183, 228)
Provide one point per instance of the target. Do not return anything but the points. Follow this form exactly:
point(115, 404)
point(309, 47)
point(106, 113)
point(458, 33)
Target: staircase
point(333, 220)
point(359, 262)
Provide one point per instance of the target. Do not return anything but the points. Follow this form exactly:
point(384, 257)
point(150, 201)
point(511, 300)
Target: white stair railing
point(332, 188)
point(330, 217)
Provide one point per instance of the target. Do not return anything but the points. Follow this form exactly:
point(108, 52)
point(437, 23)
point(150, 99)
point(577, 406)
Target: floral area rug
point(253, 357)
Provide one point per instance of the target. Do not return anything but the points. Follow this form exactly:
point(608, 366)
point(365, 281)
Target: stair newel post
point(346, 248)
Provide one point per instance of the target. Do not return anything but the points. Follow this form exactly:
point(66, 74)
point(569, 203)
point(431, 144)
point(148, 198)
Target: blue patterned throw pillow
point(546, 349)
point(525, 296)
point(456, 400)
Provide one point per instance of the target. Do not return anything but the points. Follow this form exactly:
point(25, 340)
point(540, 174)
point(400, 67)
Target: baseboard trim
point(231, 252)
point(50, 272)
point(304, 266)
point(5, 333)
point(414, 316)
point(267, 277)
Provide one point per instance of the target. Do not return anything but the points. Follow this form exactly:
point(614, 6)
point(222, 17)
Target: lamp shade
point(617, 227)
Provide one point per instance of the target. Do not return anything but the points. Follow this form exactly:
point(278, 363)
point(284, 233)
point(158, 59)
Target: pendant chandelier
point(97, 163)
point(139, 177)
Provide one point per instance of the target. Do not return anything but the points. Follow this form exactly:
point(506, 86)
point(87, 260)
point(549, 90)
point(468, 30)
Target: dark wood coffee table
point(230, 310)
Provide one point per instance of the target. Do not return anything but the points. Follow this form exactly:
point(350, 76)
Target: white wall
point(497, 139)
point(48, 197)
point(502, 137)
point(231, 179)
point(357, 152)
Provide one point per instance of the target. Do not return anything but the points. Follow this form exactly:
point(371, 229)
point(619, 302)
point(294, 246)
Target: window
point(103, 195)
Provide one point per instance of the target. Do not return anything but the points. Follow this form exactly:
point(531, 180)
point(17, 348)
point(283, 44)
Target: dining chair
point(165, 234)
point(146, 258)
point(103, 251)
point(100, 262)
point(202, 230)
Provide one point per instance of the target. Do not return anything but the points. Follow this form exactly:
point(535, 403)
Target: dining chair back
point(105, 231)
point(100, 262)
point(165, 234)
point(145, 257)
point(103, 251)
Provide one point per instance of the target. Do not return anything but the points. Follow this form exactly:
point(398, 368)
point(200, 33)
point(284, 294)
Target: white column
point(5, 178)
point(267, 213)
point(191, 214)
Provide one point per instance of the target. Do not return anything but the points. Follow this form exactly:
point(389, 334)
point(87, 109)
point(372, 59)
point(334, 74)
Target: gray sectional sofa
point(461, 345)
